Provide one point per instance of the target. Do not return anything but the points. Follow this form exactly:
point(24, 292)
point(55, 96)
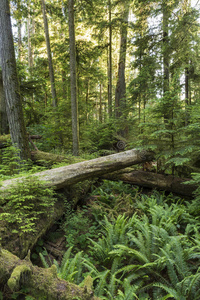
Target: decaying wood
point(46, 158)
point(20, 244)
point(71, 174)
point(40, 283)
point(155, 181)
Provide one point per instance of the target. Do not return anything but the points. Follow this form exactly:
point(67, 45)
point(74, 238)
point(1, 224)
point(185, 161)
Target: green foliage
point(70, 269)
point(152, 254)
point(194, 206)
point(99, 137)
point(10, 164)
point(25, 202)
point(78, 228)
point(113, 198)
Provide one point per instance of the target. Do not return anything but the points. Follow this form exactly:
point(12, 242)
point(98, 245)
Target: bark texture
point(73, 79)
point(155, 181)
point(120, 92)
point(51, 70)
point(4, 129)
point(40, 283)
point(71, 174)
point(110, 60)
point(10, 82)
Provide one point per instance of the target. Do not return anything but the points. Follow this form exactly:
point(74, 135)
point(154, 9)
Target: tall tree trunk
point(186, 86)
point(166, 59)
point(100, 103)
point(29, 30)
point(11, 84)
point(186, 94)
point(74, 101)
point(51, 70)
point(4, 129)
point(120, 92)
point(110, 60)
point(19, 27)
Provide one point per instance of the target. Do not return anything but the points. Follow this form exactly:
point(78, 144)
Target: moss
point(18, 276)
point(88, 283)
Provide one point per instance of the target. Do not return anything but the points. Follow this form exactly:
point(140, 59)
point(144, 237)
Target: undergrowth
point(133, 245)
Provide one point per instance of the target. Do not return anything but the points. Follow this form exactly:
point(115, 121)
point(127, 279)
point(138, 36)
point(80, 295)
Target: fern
point(70, 268)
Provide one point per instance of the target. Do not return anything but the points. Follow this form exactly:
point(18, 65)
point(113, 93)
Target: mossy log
point(71, 174)
point(19, 244)
point(46, 158)
point(152, 180)
point(40, 283)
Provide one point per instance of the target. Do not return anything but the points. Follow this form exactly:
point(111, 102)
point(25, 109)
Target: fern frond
point(171, 292)
point(65, 260)
point(44, 262)
point(100, 288)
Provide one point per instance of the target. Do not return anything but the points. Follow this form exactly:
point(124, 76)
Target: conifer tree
point(11, 84)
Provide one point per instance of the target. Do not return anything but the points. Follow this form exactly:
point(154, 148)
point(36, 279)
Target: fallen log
point(152, 180)
point(64, 177)
point(20, 242)
point(39, 283)
point(46, 158)
point(71, 174)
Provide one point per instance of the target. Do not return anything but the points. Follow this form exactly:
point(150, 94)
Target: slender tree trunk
point(19, 27)
point(11, 84)
point(74, 101)
point(100, 103)
point(87, 98)
point(110, 61)
point(166, 59)
point(120, 92)
point(29, 29)
point(51, 70)
point(186, 95)
point(186, 86)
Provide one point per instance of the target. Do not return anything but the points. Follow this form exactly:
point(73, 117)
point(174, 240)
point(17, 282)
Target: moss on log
point(46, 158)
point(20, 242)
point(40, 283)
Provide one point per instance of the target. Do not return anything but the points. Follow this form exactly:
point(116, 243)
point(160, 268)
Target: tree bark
point(165, 12)
point(19, 32)
point(120, 92)
point(40, 283)
point(51, 70)
point(73, 79)
point(71, 174)
point(110, 60)
point(152, 180)
point(11, 84)
point(4, 129)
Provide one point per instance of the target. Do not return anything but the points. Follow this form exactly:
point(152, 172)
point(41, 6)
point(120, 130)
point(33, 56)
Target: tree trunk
point(11, 84)
point(29, 30)
point(152, 180)
point(110, 60)
point(74, 101)
point(19, 32)
point(166, 59)
point(39, 282)
point(4, 129)
point(51, 70)
point(71, 174)
point(120, 92)
point(100, 103)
